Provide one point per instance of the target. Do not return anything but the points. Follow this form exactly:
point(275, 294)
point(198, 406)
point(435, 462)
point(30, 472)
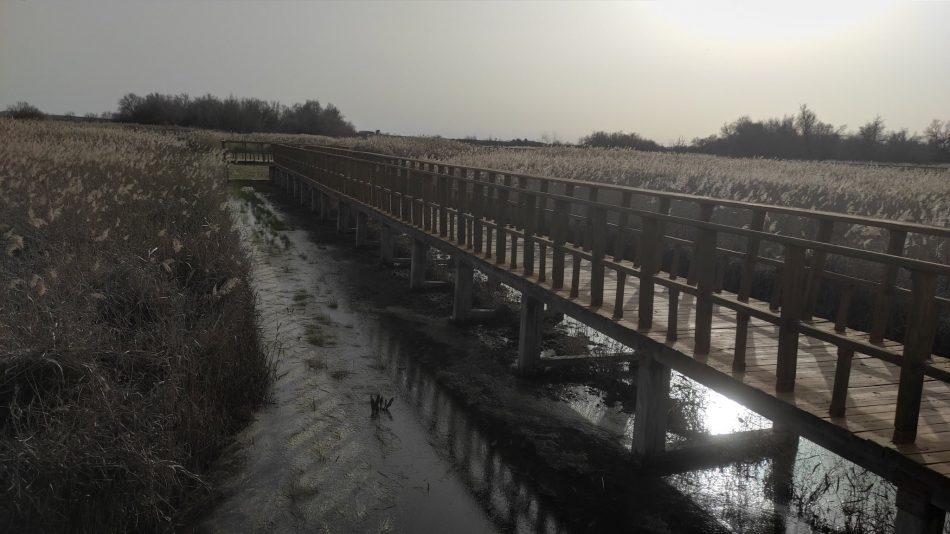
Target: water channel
point(466, 446)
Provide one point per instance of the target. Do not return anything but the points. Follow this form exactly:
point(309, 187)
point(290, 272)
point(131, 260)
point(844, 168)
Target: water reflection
point(505, 496)
point(798, 487)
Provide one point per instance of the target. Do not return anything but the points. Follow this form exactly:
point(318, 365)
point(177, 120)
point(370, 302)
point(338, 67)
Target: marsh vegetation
point(130, 350)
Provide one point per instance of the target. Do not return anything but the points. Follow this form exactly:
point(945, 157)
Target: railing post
point(745, 289)
point(648, 241)
point(478, 194)
point(619, 299)
point(597, 225)
point(620, 245)
point(501, 220)
point(591, 227)
point(791, 314)
point(461, 207)
point(705, 215)
point(706, 278)
point(530, 222)
point(651, 242)
point(817, 266)
point(918, 344)
point(558, 230)
point(839, 395)
point(882, 305)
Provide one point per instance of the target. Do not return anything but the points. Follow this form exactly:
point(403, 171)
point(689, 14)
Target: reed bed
point(128, 343)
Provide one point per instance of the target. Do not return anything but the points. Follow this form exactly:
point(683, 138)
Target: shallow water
point(316, 460)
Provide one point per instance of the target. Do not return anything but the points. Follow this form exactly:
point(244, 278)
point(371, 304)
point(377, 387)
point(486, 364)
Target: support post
point(653, 401)
point(529, 337)
point(324, 208)
point(417, 270)
point(361, 228)
point(387, 243)
point(341, 217)
point(462, 299)
point(916, 515)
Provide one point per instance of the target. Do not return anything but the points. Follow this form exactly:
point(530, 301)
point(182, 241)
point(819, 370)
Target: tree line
point(804, 136)
point(244, 115)
point(232, 114)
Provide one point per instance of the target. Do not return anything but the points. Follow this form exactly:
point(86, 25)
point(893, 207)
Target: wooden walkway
point(688, 292)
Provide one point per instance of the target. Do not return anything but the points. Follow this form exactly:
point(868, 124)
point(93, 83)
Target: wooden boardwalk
point(688, 293)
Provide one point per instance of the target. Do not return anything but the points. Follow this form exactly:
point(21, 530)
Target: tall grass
point(128, 347)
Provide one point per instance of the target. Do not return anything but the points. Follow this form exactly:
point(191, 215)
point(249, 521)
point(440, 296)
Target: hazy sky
point(507, 69)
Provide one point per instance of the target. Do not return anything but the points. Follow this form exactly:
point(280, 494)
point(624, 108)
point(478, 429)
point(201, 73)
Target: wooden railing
point(247, 152)
point(518, 219)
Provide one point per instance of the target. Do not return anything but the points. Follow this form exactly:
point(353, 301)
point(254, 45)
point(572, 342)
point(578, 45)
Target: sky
point(560, 70)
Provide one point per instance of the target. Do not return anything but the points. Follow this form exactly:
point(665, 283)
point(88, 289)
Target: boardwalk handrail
point(253, 152)
point(475, 206)
point(862, 220)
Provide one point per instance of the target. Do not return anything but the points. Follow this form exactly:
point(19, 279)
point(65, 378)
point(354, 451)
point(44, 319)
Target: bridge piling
point(529, 334)
point(361, 228)
point(462, 298)
point(324, 208)
point(417, 269)
point(653, 400)
point(387, 243)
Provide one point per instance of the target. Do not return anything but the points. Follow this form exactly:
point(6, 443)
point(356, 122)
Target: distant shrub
point(619, 140)
point(24, 110)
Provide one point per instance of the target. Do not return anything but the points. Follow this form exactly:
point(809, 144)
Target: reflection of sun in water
point(781, 22)
point(717, 413)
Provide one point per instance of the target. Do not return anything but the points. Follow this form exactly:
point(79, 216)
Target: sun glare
point(767, 22)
